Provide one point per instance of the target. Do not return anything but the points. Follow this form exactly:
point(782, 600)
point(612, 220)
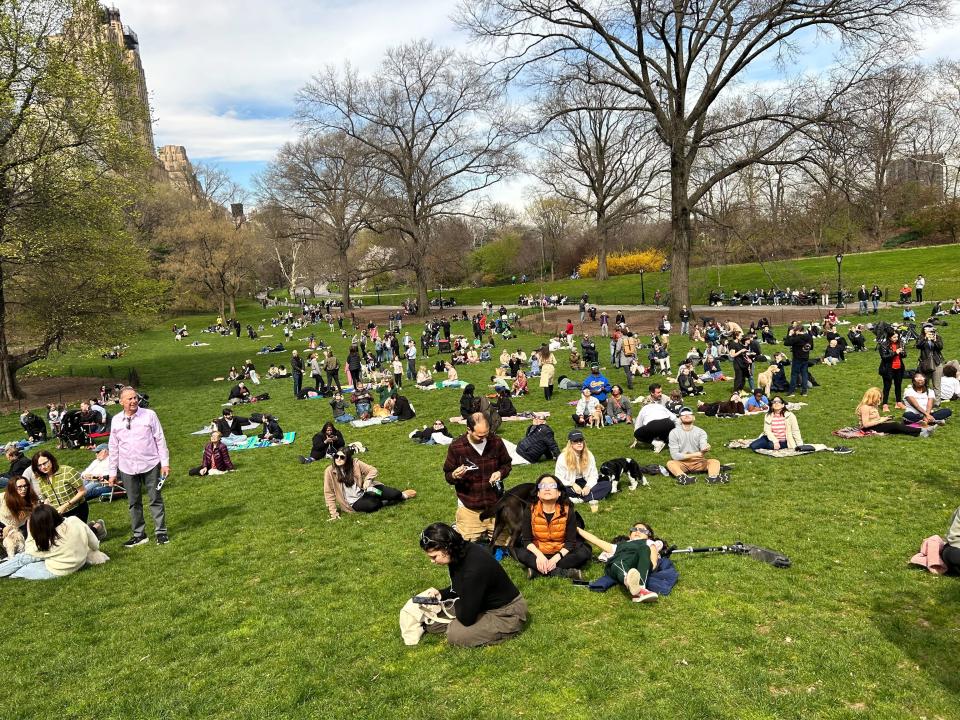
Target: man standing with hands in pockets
point(139, 457)
point(477, 464)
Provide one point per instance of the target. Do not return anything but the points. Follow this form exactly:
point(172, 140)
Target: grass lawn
point(260, 608)
point(888, 268)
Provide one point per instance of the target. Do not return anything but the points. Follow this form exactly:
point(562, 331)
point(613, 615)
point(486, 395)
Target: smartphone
point(426, 600)
point(581, 583)
point(161, 481)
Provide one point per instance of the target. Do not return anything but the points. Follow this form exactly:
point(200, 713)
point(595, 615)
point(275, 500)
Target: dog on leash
point(613, 470)
point(509, 512)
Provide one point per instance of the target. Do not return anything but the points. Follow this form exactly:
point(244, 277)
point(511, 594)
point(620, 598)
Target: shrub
point(625, 263)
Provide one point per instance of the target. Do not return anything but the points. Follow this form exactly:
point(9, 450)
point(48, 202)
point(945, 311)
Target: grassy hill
point(888, 268)
point(261, 608)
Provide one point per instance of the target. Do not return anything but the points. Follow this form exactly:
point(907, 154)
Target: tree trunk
point(602, 232)
point(344, 280)
point(682, 240)
point(423, 304)
point(9, 388)
point(233, 306)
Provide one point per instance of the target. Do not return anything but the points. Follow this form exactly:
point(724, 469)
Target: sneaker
point(663, 471)
point(842, 450)
point(571, 573)
point(102, 532)
point(686, 480)
point(658, 445)
point(576, 500)
point(302, 459)
point(162, 539)
point(724, 478)
point(713, 480)
point(644, 595)
point(633, 581)
point(136, 540)
point(531, 574)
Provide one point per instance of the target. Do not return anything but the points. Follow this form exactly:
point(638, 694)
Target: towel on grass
point(514, 457)
point(744, 443)
point(854, 432)
point(929, 555)
point(252, 442)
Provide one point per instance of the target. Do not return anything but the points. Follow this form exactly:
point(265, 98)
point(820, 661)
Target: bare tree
point(680, 61)
point(285, 240)
point(554, 218)
point(436, 127)
point(603, 161)
point(328, 191)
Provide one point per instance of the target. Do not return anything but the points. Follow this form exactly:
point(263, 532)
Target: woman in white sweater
point(57, 546)
point(780, 428)
point(577, 470)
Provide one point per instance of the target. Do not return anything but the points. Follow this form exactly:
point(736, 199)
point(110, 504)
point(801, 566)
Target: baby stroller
point(72, 433)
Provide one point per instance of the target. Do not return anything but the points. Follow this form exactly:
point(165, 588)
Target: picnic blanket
point(514, 457)
point(509, 418)
point(252, 442)
point(440, 384)
point(211, 427)
point(22, 445)
point(854, 432)
point(806, 449)
point(373, 421)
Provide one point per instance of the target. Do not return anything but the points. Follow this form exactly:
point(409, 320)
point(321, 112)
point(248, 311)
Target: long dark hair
point(441, 536)
point(328, 426)
point(770, 409)
point(344, 473)
point(562, 502)
point(19, 505)
point(43, 526)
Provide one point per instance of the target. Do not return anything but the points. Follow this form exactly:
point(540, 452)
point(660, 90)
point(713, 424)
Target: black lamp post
point(839, 259)
point(643, 296)
point(377, 288)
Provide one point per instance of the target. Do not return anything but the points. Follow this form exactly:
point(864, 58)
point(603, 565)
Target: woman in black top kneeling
point(487, 605)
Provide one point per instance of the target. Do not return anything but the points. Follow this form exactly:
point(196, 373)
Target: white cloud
point(225, 136)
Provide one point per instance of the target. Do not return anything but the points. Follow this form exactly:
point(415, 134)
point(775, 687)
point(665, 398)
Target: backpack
point(629, 346)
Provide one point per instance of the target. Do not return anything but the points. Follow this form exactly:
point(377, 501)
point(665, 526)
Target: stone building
point(127, 40)
point(925, 170)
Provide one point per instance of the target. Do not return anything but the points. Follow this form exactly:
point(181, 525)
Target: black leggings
point(81, 511)
point(895, 428)
point(951, 556)
point(333, 378)
point(548, 392)
point(371, 502)
point(896, 378)
point(654, 430)
point(741, 375)
point(576, 558)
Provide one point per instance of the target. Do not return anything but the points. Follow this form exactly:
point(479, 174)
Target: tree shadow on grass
point(926, 632)
point(209, 514)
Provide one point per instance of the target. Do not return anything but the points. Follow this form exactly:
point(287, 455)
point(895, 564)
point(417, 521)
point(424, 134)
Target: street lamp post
point(643, 296)
point(840, 303)
point(441, 297)
point(377, 288)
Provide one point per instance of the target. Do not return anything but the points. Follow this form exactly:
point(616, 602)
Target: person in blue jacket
point(599, 385)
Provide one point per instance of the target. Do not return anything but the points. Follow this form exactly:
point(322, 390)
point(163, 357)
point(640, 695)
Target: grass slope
point(260, 608)
point(888, 268)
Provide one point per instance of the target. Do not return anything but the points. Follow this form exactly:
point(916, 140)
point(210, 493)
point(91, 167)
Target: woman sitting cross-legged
point(549, 541)
point(576, 469)
point(326, 443)
point(216, 458)
point(868, 414)
point(920, 400)
point(780, 428)
point(57, 546)
point(349, 484)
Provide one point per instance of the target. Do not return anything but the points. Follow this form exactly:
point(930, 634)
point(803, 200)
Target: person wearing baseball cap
point(688, 449)
point(598, 385)
point(576, 469)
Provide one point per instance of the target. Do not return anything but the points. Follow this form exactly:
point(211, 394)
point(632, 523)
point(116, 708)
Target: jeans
point(333, 378)
point(942, 414)
point(297, 383)
point(863, 307)
point(799, 376)
point(599, 491)
point(411, 369)
point(876, 306)
point(134, 486)
point(684, 327)
point(345, 418)
point(763, 443)
point(26, 567)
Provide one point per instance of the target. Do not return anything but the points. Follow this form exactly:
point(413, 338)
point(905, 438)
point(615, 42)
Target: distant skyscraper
point(178, 168)
point(923, 169)
point(127, 40)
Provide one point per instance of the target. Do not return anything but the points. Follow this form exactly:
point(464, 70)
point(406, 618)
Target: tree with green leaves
point(70, 166)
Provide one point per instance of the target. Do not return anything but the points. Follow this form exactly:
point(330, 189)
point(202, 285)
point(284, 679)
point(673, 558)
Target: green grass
point(888, 268)
point(260, 608)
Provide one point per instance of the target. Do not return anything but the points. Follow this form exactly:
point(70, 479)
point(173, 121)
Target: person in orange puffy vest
point(549, 543)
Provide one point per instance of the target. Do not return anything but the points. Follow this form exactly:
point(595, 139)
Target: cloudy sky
point(222, 74)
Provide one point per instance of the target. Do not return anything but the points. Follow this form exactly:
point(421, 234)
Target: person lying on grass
point(348, 484)
point(488, 606)
point(780, 428)
point(630, 559)
point(757, 402)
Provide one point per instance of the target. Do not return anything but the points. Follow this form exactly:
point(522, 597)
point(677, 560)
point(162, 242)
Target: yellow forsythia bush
point(625, 263)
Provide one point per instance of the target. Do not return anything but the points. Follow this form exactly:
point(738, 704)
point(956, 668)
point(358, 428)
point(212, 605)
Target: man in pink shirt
point(139, 457)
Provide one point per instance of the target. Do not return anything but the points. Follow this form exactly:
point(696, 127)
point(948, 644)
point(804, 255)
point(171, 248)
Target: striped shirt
point(778, 425)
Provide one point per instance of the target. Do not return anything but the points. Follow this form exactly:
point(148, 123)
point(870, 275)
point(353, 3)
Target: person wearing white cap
point(688, 449)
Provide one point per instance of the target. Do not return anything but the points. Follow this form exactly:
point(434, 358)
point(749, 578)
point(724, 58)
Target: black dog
point(613, 470)
point(509, 511)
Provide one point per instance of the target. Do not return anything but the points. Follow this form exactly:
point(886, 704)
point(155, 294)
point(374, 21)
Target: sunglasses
point(547, 486)
point(339, 456)
point(640, 529)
